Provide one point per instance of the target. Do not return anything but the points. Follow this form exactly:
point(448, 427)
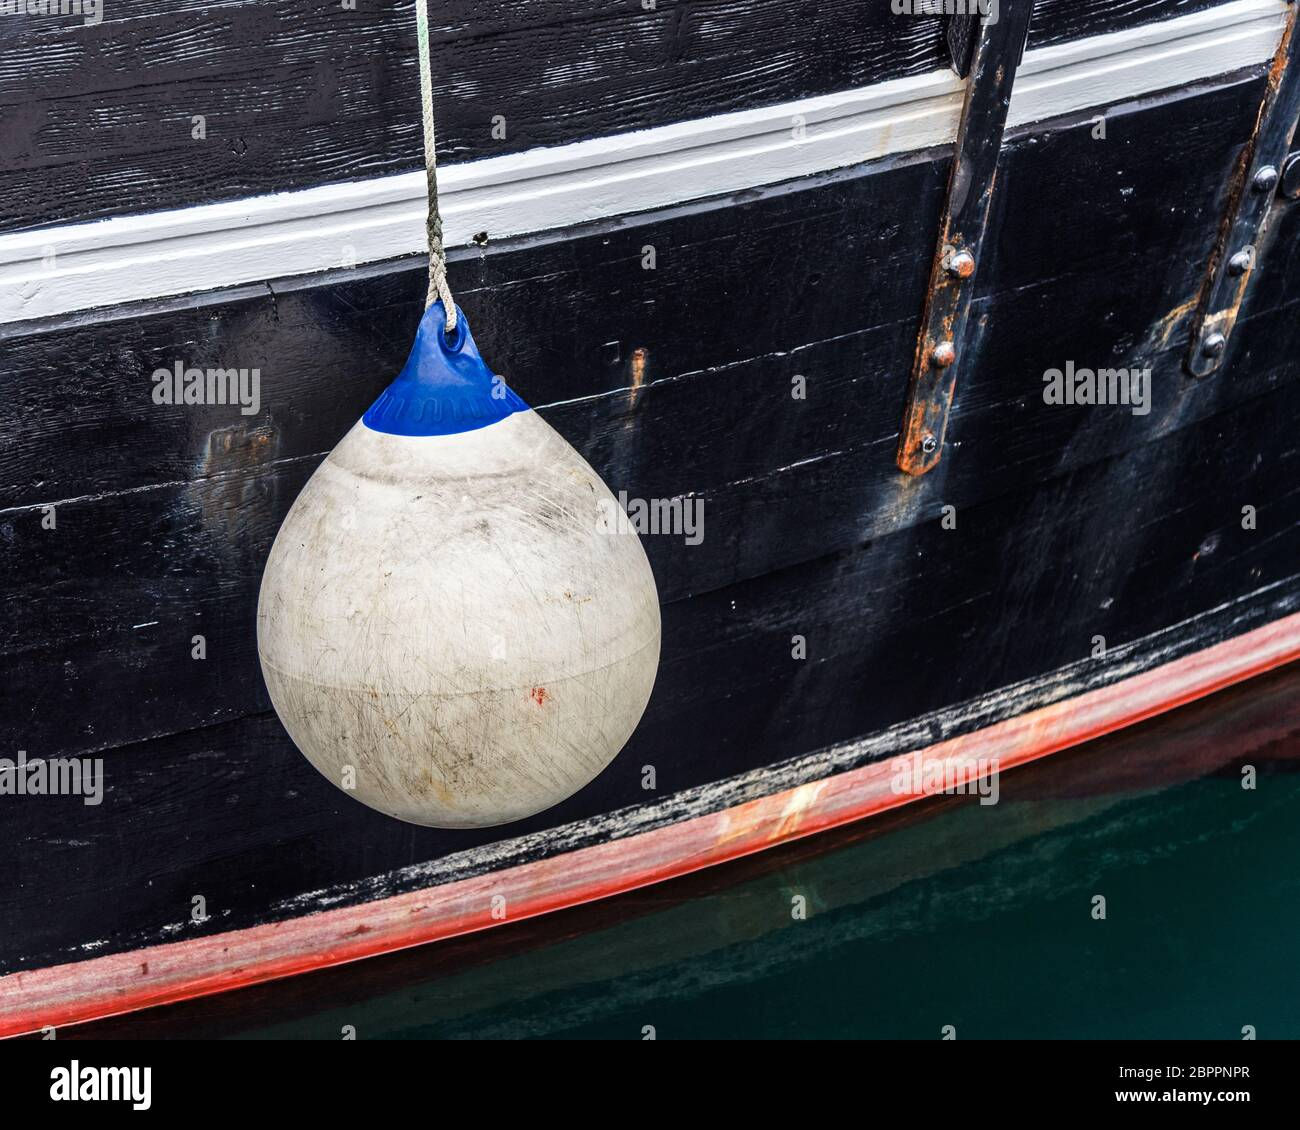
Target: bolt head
point(943, 355)
point(1265, 179)
point(961, 265)
point(929, 444)
point(1291, 176)
point(1240, 263)
point(1214, 344)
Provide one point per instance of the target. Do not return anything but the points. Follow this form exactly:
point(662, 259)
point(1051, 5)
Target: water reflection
point(946, 914)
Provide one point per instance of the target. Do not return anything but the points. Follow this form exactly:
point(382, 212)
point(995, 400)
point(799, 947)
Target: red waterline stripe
point(116, 983)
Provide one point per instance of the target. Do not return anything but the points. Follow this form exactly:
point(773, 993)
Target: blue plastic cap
point(444, 387)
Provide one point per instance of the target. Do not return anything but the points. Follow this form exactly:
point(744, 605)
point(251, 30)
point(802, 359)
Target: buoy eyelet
point(453, 343)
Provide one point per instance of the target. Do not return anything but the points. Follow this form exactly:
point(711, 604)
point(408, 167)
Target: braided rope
point(438, 287)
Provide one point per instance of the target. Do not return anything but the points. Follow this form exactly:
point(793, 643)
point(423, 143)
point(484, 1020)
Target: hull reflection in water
point(944, 913)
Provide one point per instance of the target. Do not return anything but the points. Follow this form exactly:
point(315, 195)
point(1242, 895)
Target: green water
point(1200, 939)
point(981, 918)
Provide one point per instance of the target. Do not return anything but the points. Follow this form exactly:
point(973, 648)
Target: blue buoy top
point(444, 387)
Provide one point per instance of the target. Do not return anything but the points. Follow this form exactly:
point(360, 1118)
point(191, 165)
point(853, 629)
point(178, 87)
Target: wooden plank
point(104, 658)
point(75, 266)
point(294, 98)
point(547, 312)
point(562, 320)
point(1153, 537)
point(809, 529)
point(112, 598)
point(296, 95)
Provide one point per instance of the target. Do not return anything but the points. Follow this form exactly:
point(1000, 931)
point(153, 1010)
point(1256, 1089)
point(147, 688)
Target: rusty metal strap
point(999, 47)
point(1252, 206)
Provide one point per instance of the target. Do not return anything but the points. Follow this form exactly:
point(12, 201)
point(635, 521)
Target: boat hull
point(1066, 569)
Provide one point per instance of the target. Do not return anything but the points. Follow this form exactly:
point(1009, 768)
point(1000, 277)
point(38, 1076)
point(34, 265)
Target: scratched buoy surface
point(449, 626)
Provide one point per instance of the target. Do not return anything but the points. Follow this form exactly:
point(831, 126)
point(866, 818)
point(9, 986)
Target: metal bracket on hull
point(1253, 205)
point(998, 48)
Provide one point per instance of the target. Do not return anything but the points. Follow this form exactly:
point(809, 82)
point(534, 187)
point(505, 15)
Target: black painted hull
point(1071, 523)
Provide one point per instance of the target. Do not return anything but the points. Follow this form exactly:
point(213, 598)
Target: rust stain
point(441, 791)
point(742, 822)
point(538, 695)
point(227, 483)
point(801, 801)
point(637, 367)
point(1276, 71)
point(1166, 326)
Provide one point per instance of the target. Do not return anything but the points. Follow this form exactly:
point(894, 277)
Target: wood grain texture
point(1070, 523)
point(165, 514)
point(1022, 586)
point(55, 270)
point(96, 120)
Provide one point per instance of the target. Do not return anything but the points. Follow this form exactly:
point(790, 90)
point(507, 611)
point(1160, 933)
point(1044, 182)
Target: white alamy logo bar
point(90, 11)
point(76, 1083)
point(986, 10)
point(675, 517)
point(181, 385)
point(56, 776)
point(917, 775)
point(1081, 386)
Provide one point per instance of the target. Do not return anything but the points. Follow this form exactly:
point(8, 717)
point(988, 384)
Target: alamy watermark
point(1099, 386)
point(56, 776)
point(915, 775)
point(987, 10)
point(677, 517)
point(179, 385)
point(76, 1083)
point(90, 11)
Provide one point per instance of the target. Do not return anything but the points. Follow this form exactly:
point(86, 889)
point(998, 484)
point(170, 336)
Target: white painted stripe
point(60, 269)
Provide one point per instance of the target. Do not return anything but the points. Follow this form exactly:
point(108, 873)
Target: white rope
point(438, 287)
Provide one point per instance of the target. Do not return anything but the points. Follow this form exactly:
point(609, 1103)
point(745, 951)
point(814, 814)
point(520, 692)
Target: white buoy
point(449, 626)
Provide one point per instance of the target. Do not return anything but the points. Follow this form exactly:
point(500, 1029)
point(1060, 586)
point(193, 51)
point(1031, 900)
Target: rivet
point(929, 443)
point(943, 355)
point(1214, 344)
point(1265, 179)
point(1291, 177)
point(961, 265)
point(1240, 263)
